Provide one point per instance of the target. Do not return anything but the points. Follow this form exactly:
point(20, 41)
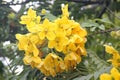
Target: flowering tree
point(51, 41)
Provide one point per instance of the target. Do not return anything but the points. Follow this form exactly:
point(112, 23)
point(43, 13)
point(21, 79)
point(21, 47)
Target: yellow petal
point(82, 32)
point(36, 59)
point(25, 19)
point(51, 44)
point(72, 47)
point(115, 74)
point(38, 18)
point(35, 51)
point(27, 59)
point(65, 10)
point(110, 49)
point(31, 12)
point(50, 35)
point(52, 72)
point(34, 38)
point(59, 47)
point(105, 77)
point(23, 41)
point(41, 35)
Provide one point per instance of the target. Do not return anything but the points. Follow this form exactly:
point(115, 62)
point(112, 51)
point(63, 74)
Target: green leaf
point(104, 20)
point(88, 77)
point(89, 24)
point(102, 27)
point(92, 29)
point(24, 74)
point(50, 16)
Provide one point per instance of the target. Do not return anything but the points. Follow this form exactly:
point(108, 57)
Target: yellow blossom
point(41, 67)
point(115, 55)
point(71, 60)
point(23, 41)
point(105, 76)
point(79, 31)
point(51, 64)
point(58, 43)
point(81, 50)
point(115, 74)
point(29, 59)
point(65, 25)
point(110, 49)
point(65, 11)
point(31, 19)
point(48, 30)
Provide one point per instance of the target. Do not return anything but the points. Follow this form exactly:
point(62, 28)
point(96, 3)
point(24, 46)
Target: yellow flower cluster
point(115, 55)
point(115, 75)
point(63, 41)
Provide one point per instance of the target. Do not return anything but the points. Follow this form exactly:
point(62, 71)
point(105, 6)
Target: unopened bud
point(113, 33)
point(118, 33)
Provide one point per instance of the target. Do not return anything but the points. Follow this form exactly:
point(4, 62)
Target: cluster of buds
point(115, 34)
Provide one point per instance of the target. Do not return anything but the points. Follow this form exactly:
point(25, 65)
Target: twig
point(106, 4)
point(109, 30)
point(106, 31)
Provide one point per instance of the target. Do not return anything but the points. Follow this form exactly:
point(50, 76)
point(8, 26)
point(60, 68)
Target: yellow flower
point(65, 25)
point(105, 76)
point(51, 64)
point(41, 67)
point(29, 59)
point(79, 31)
point(34, 38)
point(71, 60)
point(76, 39)
point(115, 60)
point(81, 50)
point(31, 19)
point(26, 44)
point(115, 55)
point(48, 30)
point(71, 47)
point(60, 67)
point(65, 11)
point(110, 49)
point(58, 43)
point(46, 41)
point(23, 41)
point(115, 74)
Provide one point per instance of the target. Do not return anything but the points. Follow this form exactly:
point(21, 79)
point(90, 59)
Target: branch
point(107, 2)
point(109, 30)
point(106, 31)
point(86, 2)
point(8, 4)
